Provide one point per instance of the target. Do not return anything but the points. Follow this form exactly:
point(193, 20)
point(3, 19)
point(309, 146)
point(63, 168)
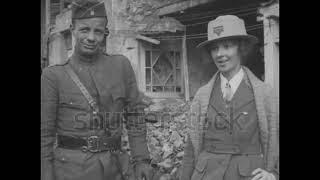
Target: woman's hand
point(260, 174)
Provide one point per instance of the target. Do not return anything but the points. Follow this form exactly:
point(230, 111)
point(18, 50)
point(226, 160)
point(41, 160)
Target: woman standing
point(234, 119)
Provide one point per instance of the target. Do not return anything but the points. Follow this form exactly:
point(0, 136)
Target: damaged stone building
point(159, 37)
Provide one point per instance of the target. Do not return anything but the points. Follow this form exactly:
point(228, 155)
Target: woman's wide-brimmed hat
point(227, 27)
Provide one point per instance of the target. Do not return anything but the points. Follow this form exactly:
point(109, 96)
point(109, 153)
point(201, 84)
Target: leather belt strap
point(83, 89)
point(232, 149)
point(91, 143)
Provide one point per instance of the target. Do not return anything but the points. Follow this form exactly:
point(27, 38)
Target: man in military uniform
point(233, 133)
point(87, 143)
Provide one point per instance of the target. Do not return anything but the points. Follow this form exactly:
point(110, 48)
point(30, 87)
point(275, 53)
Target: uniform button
point(63, 159)
point(71, 102)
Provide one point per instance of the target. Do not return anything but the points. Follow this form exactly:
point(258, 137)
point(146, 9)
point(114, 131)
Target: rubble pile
point(166, 139)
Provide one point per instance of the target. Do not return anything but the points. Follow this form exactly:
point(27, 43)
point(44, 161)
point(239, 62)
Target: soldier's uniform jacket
point(65, 111)
point(225, 146)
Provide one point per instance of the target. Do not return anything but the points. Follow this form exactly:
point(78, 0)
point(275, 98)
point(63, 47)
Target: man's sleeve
point(48, 116)
point(136, 127)
point(188, 161)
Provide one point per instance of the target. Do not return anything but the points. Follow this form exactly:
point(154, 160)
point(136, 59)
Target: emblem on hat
point(89, 9)
point(218, 30)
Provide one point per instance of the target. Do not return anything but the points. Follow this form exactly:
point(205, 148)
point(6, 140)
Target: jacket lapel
point(258, 91)
point(199, 108)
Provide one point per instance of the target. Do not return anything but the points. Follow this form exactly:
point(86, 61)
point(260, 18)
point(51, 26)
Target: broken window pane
point(155, 56)
point(148, 60)
point(178, 89)
point(170, 80)
point(157, 89)
point(178, 76)
point(155, 79)
point(163, 68)
point(148, 89)
point(178, 59)
point(163, 71)
point(169, 89)
point(171, 57)
point(148, 76)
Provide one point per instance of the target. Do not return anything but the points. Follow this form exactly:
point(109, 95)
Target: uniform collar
point(234, 81)
point(78, 59)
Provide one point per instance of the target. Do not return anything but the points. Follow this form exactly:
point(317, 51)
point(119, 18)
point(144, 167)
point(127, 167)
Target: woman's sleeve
point(272, 112)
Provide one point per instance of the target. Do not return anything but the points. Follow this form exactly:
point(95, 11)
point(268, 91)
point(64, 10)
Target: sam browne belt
point(90, 144)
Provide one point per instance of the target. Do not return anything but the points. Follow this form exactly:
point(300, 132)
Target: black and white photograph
point(160, 90)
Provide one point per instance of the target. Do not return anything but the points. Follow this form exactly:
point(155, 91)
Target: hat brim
point(252, 39)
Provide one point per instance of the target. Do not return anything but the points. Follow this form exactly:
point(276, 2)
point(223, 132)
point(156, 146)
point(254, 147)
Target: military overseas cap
point(89, 9)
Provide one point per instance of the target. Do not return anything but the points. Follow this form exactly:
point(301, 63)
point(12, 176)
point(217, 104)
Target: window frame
point(148, 47)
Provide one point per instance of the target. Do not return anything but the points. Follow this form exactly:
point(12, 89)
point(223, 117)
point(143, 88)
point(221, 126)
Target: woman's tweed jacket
point(267, 109)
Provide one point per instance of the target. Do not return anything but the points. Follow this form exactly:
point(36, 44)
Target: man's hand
point(260, 174)
point(143, 171)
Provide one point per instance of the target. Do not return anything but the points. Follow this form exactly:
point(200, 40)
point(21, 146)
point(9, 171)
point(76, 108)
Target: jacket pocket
point(69, 156)
point(67, 164)
point(247, 164)
point(244, 167)
point(72, 101)
point(199, 170)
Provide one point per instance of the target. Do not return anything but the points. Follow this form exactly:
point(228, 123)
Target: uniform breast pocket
point(72, 101)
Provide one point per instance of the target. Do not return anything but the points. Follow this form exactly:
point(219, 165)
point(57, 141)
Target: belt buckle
point(92, 144)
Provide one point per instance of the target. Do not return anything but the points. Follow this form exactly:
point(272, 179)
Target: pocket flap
point(72, 100)
point(201, 165)
point(244, 167)
point(68, 156)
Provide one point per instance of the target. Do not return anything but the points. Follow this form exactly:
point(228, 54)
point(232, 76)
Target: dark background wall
point(200, 66)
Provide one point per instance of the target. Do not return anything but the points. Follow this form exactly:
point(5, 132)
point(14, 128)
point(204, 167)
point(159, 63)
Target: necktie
point(227, 92)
